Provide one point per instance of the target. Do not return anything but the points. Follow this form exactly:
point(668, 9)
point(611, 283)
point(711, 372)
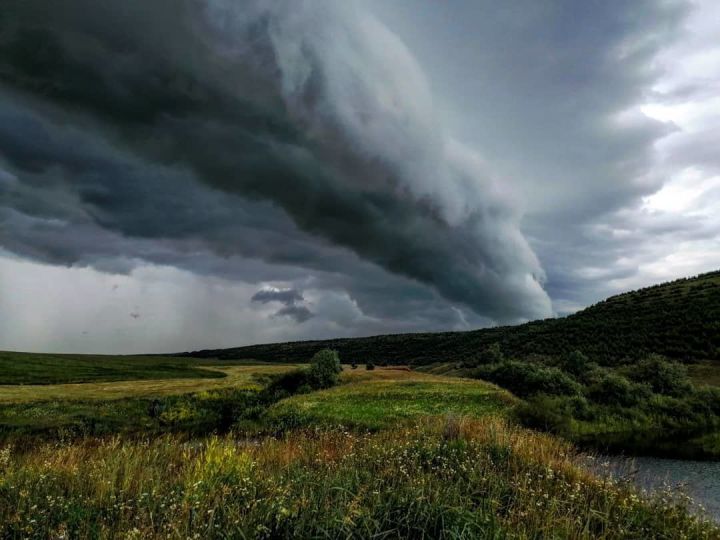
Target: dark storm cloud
point(285, 296)
point(292, 300)
point(549, 91)
point(166, 131)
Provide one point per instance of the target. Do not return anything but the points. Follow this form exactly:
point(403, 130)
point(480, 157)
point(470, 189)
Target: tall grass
point(481, 479)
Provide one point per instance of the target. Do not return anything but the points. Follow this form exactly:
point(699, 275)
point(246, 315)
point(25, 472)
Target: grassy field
point(32, 368)
point(246, 377)
point(384, 397)
point(387, 453)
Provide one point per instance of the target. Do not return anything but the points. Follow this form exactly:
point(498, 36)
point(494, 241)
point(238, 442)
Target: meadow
point(46, 369)
point(383, 453)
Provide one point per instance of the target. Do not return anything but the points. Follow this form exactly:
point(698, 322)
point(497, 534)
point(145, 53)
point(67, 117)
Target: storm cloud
point(406, 166)
point(208, 100)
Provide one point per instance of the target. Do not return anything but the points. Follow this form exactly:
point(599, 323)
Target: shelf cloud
point(344, 167)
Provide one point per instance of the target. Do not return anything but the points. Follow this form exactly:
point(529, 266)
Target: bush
point(324, 369)
point(662, 375)
point(369, 366)
point(614, 389)
point(297, 381)
point(526, 379)
point(549, 413)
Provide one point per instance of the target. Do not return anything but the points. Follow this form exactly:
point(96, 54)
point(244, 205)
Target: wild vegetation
point(649, 406)
point(479, 479)
point(383, 453)
point(679, 320)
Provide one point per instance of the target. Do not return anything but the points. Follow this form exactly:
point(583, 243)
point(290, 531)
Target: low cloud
point(292, 300)
point(285, 296)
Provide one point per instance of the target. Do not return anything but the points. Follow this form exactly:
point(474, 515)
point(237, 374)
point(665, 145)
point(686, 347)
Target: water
point(698, 479)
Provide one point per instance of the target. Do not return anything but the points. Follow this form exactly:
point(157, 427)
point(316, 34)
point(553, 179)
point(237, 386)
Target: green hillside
point(680, 320)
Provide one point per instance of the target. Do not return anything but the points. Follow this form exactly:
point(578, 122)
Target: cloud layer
point(220, 130)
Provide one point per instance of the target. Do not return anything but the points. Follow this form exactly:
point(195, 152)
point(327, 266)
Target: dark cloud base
point(152, 131)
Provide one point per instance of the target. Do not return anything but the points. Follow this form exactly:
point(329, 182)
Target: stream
point(698, 479)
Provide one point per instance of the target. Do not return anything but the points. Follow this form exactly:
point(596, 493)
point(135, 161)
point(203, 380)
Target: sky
point(186, 174)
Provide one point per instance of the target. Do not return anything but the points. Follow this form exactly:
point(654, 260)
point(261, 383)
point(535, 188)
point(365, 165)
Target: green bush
point(662, 375)
point(526, 379)
point(613, 389)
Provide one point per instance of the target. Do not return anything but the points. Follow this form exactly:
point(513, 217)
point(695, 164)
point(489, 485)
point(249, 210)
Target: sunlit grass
point(382, 397)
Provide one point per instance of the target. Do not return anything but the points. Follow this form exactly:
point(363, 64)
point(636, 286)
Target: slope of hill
point(679, 319)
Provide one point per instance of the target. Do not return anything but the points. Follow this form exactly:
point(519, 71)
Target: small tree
point(325, 367)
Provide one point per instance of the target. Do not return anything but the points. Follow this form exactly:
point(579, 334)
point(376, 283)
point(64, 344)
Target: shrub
point(526, 379)
point(370, 366)
point(662, 375)
point(297, 381)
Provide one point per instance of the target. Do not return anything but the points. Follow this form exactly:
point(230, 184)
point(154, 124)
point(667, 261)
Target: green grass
point(102, 408)
point(386, 454)
point(383, 397)
point(30, 368)
point(474, 479)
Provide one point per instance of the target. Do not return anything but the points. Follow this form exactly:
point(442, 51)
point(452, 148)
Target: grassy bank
point(479, 478)
point(385, 453)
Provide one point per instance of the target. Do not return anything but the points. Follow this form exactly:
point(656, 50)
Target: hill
point(679, 319)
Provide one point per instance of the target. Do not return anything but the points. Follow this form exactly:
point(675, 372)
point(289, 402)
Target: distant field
point(705, 373)
point(245, 377)
point(382, 397)
point(31, 368)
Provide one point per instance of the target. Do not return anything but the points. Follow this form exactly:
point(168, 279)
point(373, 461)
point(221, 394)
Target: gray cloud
point(251, 102)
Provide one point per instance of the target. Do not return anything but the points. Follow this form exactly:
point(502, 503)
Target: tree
point(324, 368)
